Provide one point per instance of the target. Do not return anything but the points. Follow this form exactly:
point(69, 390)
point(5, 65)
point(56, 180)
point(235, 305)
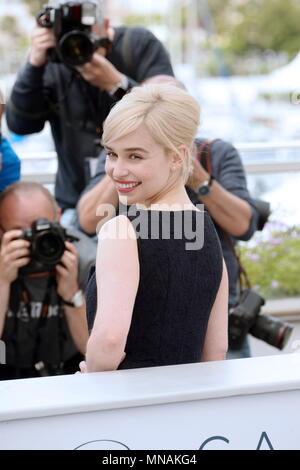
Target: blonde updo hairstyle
point(170, 114)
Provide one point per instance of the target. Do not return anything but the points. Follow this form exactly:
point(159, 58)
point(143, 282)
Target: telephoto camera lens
point(49, 248)
point(272, 331)
point(76, 48)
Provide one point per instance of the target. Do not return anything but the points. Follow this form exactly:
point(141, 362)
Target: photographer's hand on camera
point(198, 174)
point(42, 40)
point(231, 212)
point(100, 72)
point(66, 273)
point(14, 254)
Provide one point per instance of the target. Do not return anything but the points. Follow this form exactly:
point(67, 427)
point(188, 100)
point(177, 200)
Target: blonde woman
point(156, 297)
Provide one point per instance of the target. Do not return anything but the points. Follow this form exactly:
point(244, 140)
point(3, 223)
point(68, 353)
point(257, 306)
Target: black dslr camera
point(71, 24)
point(245, 317)
point(47, 245)
point(264, 210)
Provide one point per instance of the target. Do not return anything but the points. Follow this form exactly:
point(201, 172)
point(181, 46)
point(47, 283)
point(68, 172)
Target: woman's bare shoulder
point(117, 228)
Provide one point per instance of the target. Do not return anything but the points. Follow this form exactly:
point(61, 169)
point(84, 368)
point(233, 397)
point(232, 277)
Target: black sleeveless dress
point(176, 291)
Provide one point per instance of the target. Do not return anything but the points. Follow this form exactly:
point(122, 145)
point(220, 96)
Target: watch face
point(203, 190)
point(78, 299)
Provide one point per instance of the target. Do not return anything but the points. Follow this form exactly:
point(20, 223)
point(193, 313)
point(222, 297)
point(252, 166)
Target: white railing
point(212, 401)
point(283, 154)
point(267, 146)
point(40, 167)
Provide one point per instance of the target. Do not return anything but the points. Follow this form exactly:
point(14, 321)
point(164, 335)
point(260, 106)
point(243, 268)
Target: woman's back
point(179, 281)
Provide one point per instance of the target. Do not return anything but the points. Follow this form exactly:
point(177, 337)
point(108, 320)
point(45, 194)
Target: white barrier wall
point(238, 404)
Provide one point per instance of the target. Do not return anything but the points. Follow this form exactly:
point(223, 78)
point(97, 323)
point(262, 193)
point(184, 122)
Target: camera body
point(245, 318)
point(47, 245)
point(264, 210)
point(72, 26)
point(242, 317)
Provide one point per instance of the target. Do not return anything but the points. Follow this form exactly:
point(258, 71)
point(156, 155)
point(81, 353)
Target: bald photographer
point(43, 272)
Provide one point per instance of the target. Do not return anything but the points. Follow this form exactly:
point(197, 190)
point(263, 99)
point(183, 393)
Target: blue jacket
point(10, 165)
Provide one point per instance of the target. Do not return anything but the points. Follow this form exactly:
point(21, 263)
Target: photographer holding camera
point(78, 67)
point(42, 308)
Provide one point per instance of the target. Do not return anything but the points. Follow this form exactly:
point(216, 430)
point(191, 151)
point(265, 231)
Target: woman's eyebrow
point(131, 149)
point(136, 149)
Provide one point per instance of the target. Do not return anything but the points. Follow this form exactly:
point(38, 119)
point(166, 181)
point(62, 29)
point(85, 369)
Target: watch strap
point(70, 304)
point(206, 185)
point(210, 181)
point(120, 89)
point(74, 301)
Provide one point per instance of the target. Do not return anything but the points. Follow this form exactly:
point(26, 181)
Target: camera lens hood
point(76, 48)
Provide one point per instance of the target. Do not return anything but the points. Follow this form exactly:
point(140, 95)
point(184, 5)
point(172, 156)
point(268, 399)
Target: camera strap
point(204, 157)
point(204, 154)
point(21, 293)
point(98, 104)
point(243, 277)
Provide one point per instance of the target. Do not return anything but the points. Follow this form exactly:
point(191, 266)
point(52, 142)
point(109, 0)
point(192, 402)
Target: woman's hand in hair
point(67, 273)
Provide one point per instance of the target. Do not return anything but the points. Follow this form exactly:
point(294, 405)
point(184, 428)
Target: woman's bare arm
point(117, 274)
point(216, 338)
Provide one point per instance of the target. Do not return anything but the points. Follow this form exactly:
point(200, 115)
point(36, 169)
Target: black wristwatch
point(204, 188)
point(120, 89)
